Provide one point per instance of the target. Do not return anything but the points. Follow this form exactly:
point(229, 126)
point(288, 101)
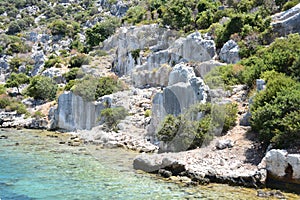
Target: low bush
point(79, 60)
point(275, 111)
point(74, 73)
point(42, 87)
point(197, 125)
point(112, 116)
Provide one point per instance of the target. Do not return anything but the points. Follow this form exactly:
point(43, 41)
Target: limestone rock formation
point(287, 22)
point(193, 48)
point(129, 41)
point(73, 113)
point(280, 164)
point(204, 67)
point(230, 52)
point(184, 89)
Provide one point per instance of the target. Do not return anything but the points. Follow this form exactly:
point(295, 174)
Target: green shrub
point(86, 88)
point(101, 31)
point(74, 73)
point(52, 61)
point(112, 116)
point(288, 5)
point(275, 111)
point(42, 87)
point(194, 132)
point(4, 101)
point(79, 60)
point(58, 27)
point(108, 85)
point(147, 113)
point(91, 88)
point(16, 80)
point(2, 89)
point(135, 14)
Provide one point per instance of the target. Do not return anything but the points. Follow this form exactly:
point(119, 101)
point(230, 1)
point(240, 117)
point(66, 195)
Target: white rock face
point(184, 90)
point(193, 48)
point(230, 52)
point(73, 113)
point(287, 22)
point(55, 73)
point(205, 67)
point(127, 40)
point(277, 162)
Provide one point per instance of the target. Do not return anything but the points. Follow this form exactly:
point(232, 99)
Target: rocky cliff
point(287, 22)
point(73, 113)
point(184, 90)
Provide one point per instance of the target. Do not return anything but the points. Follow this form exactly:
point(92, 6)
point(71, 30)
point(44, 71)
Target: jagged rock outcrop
point(184, 89)
point(129, 41)
point(56, 74)
point(193, 48)
point(230, 52)
point(117, 8)
point(287, 22)
point(73, 112)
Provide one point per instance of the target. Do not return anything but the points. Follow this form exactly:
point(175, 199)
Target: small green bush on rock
point(112, 116)
point(42, 87)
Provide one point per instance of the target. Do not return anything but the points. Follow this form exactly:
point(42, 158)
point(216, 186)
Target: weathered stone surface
point(127, 40)
point(156, 162)
point(73, 113)
point(193, 48)
point(287, 22)
point(117, 8)
point(205, 67)
point(277, 162)
point(260, 84)
point(230, 52)
point(222, 144)
point(39, 60)
point(184, 90)
point(56, 74)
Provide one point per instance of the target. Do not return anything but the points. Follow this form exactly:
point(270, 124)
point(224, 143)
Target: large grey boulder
point(278, 162)
point(74, 113)
point(230, 52)
point(116, 8)
point(56, 74)
point(287, 22)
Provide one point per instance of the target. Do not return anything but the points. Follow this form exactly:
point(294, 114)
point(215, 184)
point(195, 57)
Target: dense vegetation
point(275, 111)
point(194, 131)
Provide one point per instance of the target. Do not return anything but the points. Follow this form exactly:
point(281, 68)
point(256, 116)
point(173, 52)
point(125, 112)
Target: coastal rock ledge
point(200, 169)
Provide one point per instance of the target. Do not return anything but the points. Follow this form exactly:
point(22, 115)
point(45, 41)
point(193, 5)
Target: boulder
point(287, 22)
point(223, 144)
point(56, 74)
point(230, 52)
point(205, 67)
point(276, 162)
point(156, 162)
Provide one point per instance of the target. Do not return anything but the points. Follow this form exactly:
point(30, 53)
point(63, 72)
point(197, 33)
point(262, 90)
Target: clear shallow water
point(41, 168)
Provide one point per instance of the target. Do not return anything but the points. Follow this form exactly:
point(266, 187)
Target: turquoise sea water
point(34, 166)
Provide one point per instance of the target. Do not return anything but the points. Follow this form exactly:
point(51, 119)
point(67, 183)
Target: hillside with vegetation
point(98, 55)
